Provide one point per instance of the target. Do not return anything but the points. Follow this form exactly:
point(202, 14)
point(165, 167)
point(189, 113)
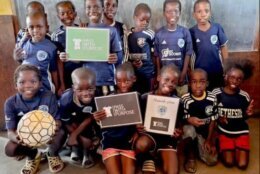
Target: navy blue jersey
point(15, 107)
point(142, 43)
point(42, 54)
point(172, 46)
point(105, 72)
point(205, 109)
point(234, 108)
point(206, 45)
point(72, 110)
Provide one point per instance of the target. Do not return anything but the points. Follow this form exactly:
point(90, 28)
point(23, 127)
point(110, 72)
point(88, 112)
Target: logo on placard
point(162, 110)
point(141, 42)
point(214, 39)
point(41, 55)
point(181, 43)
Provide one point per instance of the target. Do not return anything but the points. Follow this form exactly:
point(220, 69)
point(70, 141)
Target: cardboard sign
point(161, 114)
point(121, 109)
point(87, 44)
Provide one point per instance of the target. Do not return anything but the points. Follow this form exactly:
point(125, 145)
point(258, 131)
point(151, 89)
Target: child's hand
point(20, 141)
point(137, 63)
point(63, 56)
point(250, 108)
point(60, 90)
point(81, 23)
point(177, 133)
point(26, 36)
point(209, 147)
point(223, 120)
point(18, 54)
point(181, 79)
point(99, 115)
point(140, 128)
point(72, 141)
point(196, 121)
point(112, 59)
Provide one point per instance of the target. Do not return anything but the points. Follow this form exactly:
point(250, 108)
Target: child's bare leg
point(13, 149)
point(86, 143)
point(169, 161)
point(144, 144)
point(228, 158)
point(128, 165)
point(112, 165)
point(242, 159)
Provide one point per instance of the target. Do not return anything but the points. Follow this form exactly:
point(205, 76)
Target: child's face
point(198, 83)
point(94, 11)
point(202, 13)
point(124, 81)
point(167, 82)
point(172, 13)
point(37, 27)
point(110, 9)
point(234, 78)
point(142, 20)
point(28, 84)
point(67, 15)
point(84, 90)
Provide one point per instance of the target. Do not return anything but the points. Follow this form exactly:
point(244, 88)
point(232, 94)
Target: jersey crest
point(141, 42)
point(214, 39)
point(42, 55)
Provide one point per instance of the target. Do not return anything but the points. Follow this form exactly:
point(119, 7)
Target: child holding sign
point(165, 145)
point(117, 154)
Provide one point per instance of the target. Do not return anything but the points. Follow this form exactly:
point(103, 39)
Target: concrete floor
point(11, 166)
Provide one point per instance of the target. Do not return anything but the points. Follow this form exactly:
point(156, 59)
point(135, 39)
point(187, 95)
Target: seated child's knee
point(10, 149)
point(242, 165)
point(189, 131)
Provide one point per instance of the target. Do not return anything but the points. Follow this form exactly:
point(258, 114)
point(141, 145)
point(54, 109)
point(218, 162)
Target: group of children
point(143, 61)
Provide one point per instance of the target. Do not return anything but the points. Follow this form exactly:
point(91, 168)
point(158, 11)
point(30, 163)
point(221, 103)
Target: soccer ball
point(36, 128)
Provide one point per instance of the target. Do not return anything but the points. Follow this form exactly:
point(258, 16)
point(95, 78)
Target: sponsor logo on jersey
point(44, 108)
point(209, 110)
point(42, 55)
point(214, 39)
point(141, 42)
point(167, 52)
point(87, 109)
point(181, 43)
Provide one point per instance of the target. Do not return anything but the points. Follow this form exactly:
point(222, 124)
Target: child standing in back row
point(209, 44)
point(140, 43)
point(173, 44)
point(234, 108)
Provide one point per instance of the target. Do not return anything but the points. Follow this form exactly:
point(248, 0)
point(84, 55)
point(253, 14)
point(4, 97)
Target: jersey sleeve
point(54, 107)
point(115, 45)
point(221, 35)
point(188, 40)
point(53, 61)
point(9, 111)
point(156, 45)
point(64, 109)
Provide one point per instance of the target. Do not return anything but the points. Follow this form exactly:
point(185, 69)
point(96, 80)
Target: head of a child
point(202, 11)
point(198, 82)
point(37, 26)
point(110, 9)
point(94, 10)
point(168, 80)
point(236, 71)
point(27, 79)
point(125, 77)
point(84, 84)
point(172, 11)
point(142, 16)
point(34, 6)
point(66, 12)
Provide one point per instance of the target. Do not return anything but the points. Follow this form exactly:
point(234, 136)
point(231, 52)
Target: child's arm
point(209, 143)
point(13, 136)
point(61, 77)
point(112, 59)
point(158, 65)
point(195, 121)
point(224, 52)
point(54, 75)
point(184, 69)
point(250, 108)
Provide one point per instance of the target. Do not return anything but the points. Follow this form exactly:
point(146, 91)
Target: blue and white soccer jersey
point(206, 45)
point(234, 108)
point(142, 43)
point(15, 107)
point(172, 46)
point(42, 54)
point(105, 72)
point(205, 109)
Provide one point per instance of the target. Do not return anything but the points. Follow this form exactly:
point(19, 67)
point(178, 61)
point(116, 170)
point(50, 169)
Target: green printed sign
point(87, 44)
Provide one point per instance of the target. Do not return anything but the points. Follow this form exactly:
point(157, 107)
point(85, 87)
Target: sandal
point(149, 166)
point(190, 166)
point(32, 166)
point(87, 161)
point(55, 164)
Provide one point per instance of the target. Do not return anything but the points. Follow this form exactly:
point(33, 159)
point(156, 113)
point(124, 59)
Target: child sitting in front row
point(165, 145)
point(234, 108)
point(29, 97)
point(200, 109)
point(76, 108)
point(117, 154)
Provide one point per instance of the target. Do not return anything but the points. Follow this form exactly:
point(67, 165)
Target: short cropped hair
point(172, 68)
point(199, 1)
point(101, 1)
point(171, 1)
point(65, 3)
point(199, 70)
point(141, 7)
point(83, 73)
point(36, 15)
point(36, 3)
point(126, 67)
point(27, 67)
